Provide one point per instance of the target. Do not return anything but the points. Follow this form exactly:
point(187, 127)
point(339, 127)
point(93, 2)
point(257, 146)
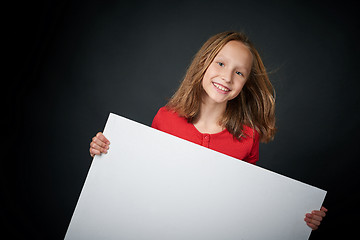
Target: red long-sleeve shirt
point(246, 149)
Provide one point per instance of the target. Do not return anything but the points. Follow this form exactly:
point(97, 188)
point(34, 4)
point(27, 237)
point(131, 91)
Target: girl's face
point(227, 74)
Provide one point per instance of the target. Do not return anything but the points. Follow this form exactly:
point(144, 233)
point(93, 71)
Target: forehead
point(237, 52)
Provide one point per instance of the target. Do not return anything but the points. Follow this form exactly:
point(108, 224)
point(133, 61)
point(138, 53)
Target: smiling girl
point(225, 102)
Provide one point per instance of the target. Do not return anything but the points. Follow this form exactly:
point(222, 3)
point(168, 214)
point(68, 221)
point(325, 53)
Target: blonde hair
point(253, 107)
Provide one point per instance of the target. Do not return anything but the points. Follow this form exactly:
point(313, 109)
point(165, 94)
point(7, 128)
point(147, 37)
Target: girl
point(225, 102)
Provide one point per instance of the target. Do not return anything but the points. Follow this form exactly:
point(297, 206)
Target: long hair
point(253, 107)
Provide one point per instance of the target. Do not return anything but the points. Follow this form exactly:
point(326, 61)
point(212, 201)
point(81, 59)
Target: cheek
point(210, 72)
point(207, 77)
point(238, 88)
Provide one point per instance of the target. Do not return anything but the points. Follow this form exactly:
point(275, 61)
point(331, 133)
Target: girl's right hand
point(99, 144)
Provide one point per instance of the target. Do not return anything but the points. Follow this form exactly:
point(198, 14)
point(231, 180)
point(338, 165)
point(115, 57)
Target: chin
point(219, 100)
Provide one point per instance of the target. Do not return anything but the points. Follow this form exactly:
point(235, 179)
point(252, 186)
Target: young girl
point(225, 102)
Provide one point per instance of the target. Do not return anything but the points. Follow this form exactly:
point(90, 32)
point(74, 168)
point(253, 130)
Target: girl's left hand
point(314, 218)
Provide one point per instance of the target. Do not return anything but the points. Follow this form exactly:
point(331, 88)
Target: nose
point(226, 76)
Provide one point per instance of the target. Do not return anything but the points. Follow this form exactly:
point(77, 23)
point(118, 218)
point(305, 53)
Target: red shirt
point(246, 149)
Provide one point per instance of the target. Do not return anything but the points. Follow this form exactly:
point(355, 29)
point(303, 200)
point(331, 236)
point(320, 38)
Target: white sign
point(152, 185)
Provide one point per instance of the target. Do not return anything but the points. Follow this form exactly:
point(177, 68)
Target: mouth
point(221, 87)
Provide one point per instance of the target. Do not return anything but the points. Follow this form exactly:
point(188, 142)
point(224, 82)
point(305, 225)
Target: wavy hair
point(253, 107)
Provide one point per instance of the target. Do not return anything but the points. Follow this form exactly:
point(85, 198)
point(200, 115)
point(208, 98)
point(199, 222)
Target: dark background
point(73, 62)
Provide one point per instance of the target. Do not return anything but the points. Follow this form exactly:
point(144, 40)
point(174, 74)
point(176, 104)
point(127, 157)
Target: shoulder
point(166, 117)
point(251, 133)
point(253, 141)
point(165, 110)
point(164, 113)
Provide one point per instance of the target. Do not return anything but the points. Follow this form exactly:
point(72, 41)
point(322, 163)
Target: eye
point(220, 64)
point(239, 73)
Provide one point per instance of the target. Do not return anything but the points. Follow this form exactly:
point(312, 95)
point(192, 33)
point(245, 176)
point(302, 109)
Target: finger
point(323, 209)
point(94, 152)
point(100, 143)
point(317, 218)
point(315, 222)
point(319, 213)
point(95, 146)
point(102, 138)
point(312, 226)
point(312, 223)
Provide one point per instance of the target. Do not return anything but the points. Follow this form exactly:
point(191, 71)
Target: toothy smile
point(221, 87)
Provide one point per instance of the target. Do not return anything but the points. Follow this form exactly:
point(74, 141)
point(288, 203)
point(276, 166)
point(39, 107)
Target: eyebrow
point(240, 67)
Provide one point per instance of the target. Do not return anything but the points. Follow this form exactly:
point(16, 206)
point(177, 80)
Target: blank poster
point(152, 185)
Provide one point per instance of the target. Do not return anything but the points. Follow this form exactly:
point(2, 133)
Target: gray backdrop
point(73, 62)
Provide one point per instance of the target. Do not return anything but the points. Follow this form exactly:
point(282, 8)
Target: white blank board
point(152, 185)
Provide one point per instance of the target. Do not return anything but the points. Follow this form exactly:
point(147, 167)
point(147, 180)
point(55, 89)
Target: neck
point(209, 118)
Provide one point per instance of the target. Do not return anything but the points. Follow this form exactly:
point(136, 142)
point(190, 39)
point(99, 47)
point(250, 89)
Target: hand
point(314, 218)
point(100, 144)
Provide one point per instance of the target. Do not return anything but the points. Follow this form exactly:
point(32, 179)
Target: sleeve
point(253, 156)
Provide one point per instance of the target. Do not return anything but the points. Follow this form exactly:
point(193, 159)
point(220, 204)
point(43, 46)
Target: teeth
point(221, 87)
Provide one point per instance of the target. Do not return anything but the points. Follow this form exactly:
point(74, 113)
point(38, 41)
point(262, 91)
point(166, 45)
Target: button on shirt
point(206, 140)
point(246, 149)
